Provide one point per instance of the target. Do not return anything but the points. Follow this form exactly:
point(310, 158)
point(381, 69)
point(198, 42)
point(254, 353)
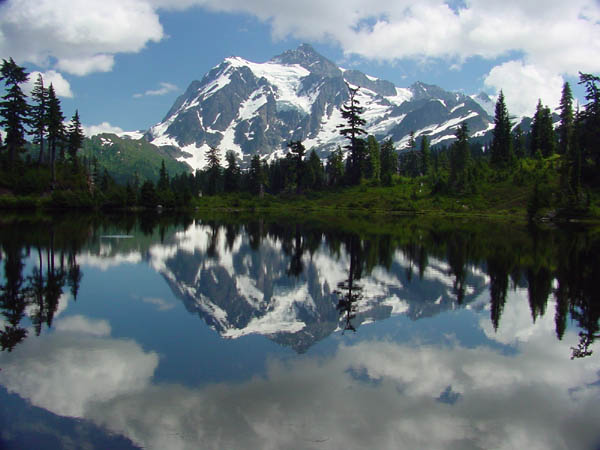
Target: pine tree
point(389, 162)
point(315, 173)
point(298, 150)
point(14, 110)
point(39, 95)
point(232, 173)
point(590, 122)
point(352, 131)
point(425, 155)
point(75, 138)
point(547, 135)
point(56, 129)
point(536, 133)
point(519, 142)
point(256, 176)
point(374, 166)
point(460, 158)
point(502, 140)
point(163, 178)
point(410, 158)
point(335, 168)
point(565, 129)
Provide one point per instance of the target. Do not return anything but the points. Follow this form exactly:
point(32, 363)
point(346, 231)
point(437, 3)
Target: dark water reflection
point(261, 333)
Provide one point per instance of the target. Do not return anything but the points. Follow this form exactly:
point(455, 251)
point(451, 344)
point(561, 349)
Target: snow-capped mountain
point(257, 108)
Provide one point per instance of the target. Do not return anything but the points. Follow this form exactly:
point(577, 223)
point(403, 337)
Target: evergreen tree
point(315, 174)
point(352, 130)
point(502, 140)
point(163, 178)
point(547, 135)
point(535, 143)
point(590, 124)
point(410, 158)
point(374, 160)
point(14, 110)
point(213, 171)
point(75, 138)
point(232, 173)
point(335, 168)
point(148, 197)
point(565, 129)
point(543, 139)
point(459, 159)
point(56, 129)
point(519, 142)
point(389, 162)
point(425, 155)
point(298, 151)
point(256, 176)
point(39, 95)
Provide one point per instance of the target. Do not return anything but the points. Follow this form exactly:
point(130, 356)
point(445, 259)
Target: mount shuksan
point(257, 108)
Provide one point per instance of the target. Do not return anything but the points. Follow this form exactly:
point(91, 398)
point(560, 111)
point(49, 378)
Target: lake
point(164, 332)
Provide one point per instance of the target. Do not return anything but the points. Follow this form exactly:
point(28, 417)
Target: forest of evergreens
point(552, 168)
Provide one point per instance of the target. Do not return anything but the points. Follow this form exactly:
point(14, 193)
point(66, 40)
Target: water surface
point(180, 333)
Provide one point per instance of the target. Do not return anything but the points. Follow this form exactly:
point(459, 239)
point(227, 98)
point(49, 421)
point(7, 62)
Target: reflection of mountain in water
point(240, 288)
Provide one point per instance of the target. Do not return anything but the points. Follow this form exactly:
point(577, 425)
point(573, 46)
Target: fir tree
point(75, 138)
point(565, 129)
point(502, 140)
point(590, 122)
point(459, 159)
point(14, 110)
point(389, 162)
point(163, 178)
point(374, 166)
point(298, 151)
point(519, 142)
point(39, 95)
point(425, 155)
point(256, 176)
point(56, 129)
point(315, 174)
point(335, 168)
point(232, 173)
point(352, 130)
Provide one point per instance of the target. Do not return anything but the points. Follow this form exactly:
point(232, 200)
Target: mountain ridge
point(257, 108)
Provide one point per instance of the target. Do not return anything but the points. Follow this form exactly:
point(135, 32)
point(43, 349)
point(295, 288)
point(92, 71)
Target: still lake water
point(271, 334)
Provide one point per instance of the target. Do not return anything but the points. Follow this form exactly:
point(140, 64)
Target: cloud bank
point(550, 41)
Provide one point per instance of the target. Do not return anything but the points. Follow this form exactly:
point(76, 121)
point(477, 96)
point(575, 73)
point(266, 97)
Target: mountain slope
point(257, 108)
point(124, 157)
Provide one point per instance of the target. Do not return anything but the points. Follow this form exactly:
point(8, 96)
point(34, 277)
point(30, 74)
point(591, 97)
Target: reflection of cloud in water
point(105, 262)
point(534, 399)
point(66, 371)
point(81, 324)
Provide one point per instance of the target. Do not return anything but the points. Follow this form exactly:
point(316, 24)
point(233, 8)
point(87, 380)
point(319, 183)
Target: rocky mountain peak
point(306, 56)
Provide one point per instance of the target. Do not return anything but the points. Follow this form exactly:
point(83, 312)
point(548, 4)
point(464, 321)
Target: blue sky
point(122, 63)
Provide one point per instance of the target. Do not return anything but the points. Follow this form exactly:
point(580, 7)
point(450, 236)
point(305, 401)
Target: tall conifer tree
point(352, 130)
point(502, 140)
point(39, 114)
point(14, 110)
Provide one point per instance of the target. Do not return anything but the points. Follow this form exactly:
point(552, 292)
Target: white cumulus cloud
point(62, 88)
point(523, 84)
point(81, 36)
point(104, 127)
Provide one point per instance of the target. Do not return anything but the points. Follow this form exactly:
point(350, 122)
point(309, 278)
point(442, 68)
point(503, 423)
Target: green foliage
point(14, 110)
point(501, 151)
point(127, 158)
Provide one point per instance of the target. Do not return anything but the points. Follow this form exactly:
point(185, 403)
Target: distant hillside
point(124, 157)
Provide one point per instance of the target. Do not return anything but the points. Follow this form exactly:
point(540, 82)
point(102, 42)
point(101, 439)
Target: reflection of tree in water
point(349, 292)
point(41, 290)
